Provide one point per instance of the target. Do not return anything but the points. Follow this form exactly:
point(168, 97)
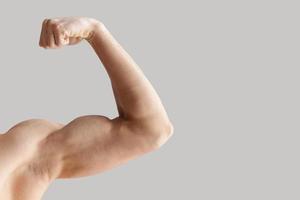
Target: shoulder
point(28, 134)
point(31, 124)
point(33, 128)
point(25, 138)
point(20, 143)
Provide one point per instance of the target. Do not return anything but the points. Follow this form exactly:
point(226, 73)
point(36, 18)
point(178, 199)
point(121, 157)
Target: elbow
point(163, 134)
point(155, 132)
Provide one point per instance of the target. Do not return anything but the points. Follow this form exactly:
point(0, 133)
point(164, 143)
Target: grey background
point(226, 71)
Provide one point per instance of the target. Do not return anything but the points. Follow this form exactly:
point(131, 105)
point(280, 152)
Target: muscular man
point(35, 152)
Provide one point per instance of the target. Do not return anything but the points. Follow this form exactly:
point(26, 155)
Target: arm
point(94, 143)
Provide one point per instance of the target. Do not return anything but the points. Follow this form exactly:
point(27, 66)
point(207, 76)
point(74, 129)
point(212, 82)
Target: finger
point(42, 42)
point(55, 39)
point(47, 33)
point(58, 36)
point(50, 36)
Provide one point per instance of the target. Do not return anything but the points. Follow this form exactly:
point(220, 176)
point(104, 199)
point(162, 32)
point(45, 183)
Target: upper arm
point(91, 144)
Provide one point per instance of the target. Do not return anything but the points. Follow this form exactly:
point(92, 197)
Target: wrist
point(95, 26)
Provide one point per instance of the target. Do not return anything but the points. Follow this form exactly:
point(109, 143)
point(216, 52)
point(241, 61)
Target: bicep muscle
point(92, 144)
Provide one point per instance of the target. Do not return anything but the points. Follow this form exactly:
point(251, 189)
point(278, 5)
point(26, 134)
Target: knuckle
point(50, 22)
point(45, 21)
point(55, 26)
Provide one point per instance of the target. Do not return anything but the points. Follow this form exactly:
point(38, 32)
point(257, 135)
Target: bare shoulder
point(27, 134)
point(19, 143)
point(33, 124)
point(34, 128)
point(18, 155)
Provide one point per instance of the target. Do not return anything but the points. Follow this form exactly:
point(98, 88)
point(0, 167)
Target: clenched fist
point(58, 32)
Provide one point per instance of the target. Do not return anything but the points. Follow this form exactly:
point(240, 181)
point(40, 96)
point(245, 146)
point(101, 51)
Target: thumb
point(74, 40)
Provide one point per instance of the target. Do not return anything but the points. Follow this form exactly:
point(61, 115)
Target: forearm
point(135, 96)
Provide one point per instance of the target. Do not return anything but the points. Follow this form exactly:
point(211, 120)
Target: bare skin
point(36, 152)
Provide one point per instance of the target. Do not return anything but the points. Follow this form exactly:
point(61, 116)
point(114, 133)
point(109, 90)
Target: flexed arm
point(94, 143)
